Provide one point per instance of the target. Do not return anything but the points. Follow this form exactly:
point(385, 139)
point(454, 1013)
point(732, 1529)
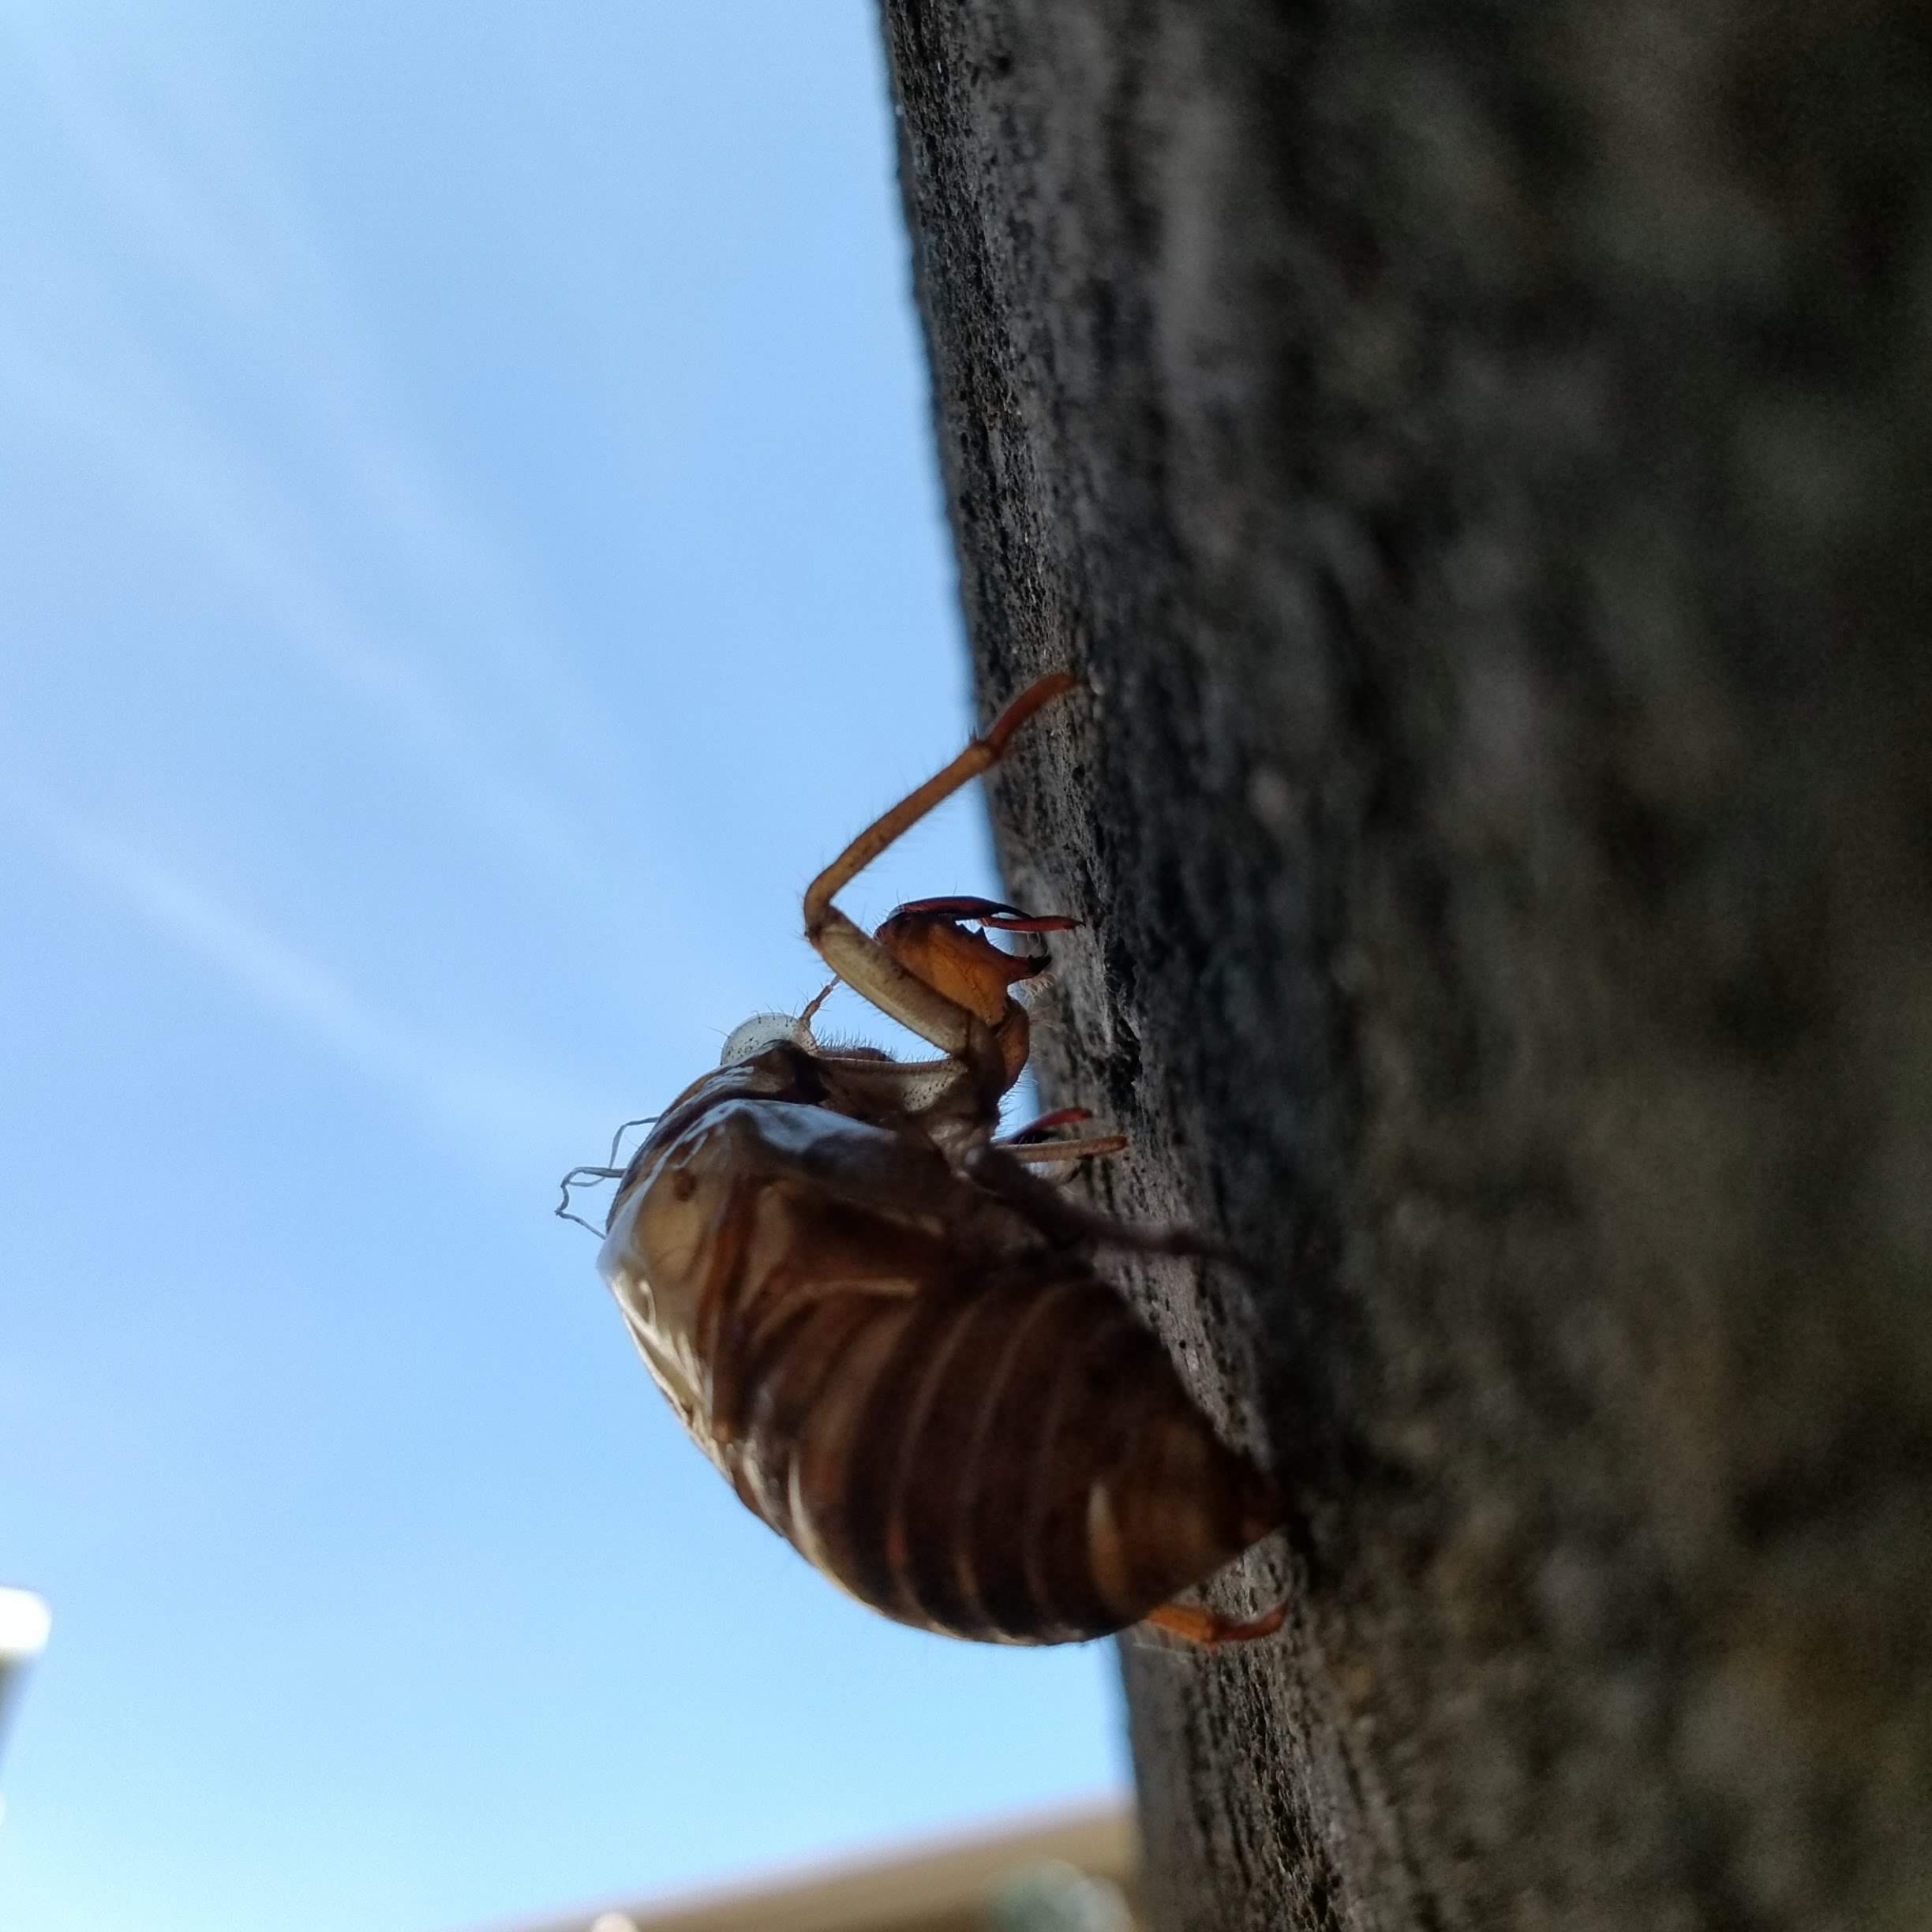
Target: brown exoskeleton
point(883, 1328)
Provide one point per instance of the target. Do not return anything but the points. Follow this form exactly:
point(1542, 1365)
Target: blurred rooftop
point(1071, 1872)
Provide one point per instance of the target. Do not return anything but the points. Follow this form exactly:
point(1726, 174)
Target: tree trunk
point(1479, 458)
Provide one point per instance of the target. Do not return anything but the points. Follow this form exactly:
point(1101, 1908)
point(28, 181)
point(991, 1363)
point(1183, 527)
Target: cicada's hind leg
point(1210, 1629)
point(1261, 1506)
point(885, 969)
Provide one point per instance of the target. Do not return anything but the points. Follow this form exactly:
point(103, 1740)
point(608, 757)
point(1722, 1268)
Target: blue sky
point(470, 550)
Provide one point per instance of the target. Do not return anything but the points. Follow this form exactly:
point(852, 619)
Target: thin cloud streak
point(212, 493)
point(203, 196)
point(230, 231)
point(493, 1115)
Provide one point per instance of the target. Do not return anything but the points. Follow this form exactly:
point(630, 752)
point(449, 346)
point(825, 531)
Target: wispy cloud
point(199, 200)
point(491, 1112)
point(179, 469)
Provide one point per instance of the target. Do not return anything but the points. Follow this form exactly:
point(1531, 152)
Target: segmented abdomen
point(1016, 1461)
point(965, 1427)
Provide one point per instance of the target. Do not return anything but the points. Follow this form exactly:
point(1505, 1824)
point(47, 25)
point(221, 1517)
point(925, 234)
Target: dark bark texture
point(1480, 457)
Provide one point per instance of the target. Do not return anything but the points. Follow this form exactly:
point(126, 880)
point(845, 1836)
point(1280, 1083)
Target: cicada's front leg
point(927, 937)
point(947, 985)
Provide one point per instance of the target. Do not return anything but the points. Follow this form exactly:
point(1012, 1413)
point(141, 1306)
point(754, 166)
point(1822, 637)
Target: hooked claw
point(926, 937)
point(992, 912)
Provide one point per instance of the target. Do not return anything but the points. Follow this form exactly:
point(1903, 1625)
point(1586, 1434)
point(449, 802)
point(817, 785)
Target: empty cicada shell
point(883, 1326)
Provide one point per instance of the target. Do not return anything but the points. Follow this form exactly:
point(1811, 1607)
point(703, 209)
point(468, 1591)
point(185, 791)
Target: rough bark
point(1479, 455)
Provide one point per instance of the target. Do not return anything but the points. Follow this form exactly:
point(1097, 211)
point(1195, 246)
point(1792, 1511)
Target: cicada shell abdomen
point(960, 1425)
point(1014, 1460)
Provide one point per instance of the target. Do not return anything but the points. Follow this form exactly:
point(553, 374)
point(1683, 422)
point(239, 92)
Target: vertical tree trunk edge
point(1480, 461)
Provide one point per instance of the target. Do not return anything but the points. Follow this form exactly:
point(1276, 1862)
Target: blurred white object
point(1055, 1897)
point(24, 1622)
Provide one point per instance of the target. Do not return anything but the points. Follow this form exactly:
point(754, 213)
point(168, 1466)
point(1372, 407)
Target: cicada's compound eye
point(760, 1030)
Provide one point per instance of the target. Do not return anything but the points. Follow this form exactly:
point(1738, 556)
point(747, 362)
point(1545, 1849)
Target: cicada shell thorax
point(964, 1427)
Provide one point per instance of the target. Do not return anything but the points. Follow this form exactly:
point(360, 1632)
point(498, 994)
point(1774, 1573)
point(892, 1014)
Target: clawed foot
point(1035, 1143)
point(1210, 1629)
point(928, 937)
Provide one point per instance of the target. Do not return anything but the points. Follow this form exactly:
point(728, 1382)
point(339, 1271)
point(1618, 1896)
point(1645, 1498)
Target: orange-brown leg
point(1210, 1629)
point(965, 966)
point(859, 959)
point(998, 1169)
point(1057, 1153)
point(993, 912)
point(1033, 1142)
